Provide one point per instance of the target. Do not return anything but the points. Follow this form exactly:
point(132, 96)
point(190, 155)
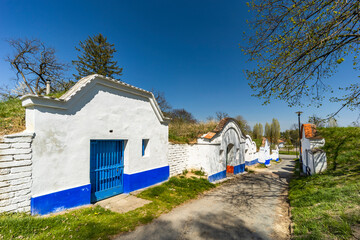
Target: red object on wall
point(230, 169)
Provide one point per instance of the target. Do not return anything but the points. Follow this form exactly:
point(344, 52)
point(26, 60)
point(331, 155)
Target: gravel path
point(249, 206)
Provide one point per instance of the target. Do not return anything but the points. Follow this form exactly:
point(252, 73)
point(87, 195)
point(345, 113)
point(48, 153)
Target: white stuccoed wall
point(65, 128)
point(15, 172)
point(206, 157)
point(250, 149)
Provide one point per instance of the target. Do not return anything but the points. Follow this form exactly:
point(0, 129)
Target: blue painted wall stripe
point(217, 176)
point(252, 162)
point(239, 168)
point(144, 179)
point(267, 162)
point(59, 201)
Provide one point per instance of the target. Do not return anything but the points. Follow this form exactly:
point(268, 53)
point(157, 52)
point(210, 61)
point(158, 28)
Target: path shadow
point(201, 226)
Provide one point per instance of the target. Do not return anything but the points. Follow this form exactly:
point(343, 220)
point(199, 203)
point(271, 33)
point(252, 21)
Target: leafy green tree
point(96, 56)
point(268, 131)
point(298, 44)
point(258, 131)
point(275, 131)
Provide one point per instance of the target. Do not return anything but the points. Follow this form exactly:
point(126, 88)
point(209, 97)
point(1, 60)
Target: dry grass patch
point(182, 132)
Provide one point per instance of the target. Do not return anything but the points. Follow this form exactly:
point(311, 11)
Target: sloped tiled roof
point(219, 128)
point(310, 131)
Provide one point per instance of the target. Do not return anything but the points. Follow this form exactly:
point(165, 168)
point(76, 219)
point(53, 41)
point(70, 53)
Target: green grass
point(289, 152)
point(258, 143)
point(327, 205)
point(99, 223)
point(12, 116)
point(198, 172)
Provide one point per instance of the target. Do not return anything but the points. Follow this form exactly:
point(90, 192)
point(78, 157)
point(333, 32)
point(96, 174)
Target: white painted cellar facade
point(251, 154)
point(313, 158)
point(101, 138)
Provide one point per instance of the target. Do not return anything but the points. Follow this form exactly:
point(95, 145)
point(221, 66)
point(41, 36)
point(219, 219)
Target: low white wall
point(15, 172)
point(315, 160)
point(198, 156)
point(178, 157)
point(207, 157)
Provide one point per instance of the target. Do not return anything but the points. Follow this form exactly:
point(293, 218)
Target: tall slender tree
point(268, 131)
point(96, 56)
point(275, 131)
point(258, 131)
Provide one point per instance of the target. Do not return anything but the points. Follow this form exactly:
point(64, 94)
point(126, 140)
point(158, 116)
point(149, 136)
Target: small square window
point(145, 143)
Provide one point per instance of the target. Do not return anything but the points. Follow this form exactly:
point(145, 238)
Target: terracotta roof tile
point(310, 130)
point(210, 135)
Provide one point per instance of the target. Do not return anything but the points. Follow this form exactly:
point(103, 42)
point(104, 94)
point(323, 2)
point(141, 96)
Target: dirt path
point(250, 206)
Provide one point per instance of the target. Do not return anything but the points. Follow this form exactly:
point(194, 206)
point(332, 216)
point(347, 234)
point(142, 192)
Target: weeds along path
point(250, 206)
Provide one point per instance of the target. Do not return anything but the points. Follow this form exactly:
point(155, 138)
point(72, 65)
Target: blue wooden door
point(106, 168)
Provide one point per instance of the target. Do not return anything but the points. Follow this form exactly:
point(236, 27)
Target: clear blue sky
point(187, 49)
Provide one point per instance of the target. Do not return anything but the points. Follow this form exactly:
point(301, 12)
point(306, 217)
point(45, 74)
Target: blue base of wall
point(239, 168)
point(267, 162)
point(277, 159)
point(59, 201)
point(217, 176)
point(144, 179)
point(249, 163)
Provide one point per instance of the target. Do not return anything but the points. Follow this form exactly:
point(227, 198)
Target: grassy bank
point(98, 223)
point(327, 205)
point(180, 132)
point(12, 116)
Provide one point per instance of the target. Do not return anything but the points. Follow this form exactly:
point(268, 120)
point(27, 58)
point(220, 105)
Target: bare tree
point(181, 115)
point(221, 115)
point(34, 64)
point(244, 126)
point(161, 100)
point(319, 122)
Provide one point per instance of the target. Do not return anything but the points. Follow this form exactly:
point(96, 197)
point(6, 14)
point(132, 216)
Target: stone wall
point(15, 172)
point(178, 157)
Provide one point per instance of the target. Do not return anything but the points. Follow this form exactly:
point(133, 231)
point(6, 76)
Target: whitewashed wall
point(15, 172)
point(178, 157)
point(250, 149)
point(314, 159)
point(206, 157)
